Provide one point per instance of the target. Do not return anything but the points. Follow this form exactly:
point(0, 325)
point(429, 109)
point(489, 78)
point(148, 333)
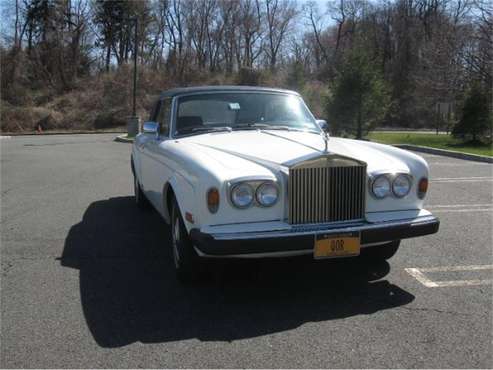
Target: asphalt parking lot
point(87, 281)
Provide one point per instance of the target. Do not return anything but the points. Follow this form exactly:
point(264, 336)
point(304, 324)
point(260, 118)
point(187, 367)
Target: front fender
point(184, 193)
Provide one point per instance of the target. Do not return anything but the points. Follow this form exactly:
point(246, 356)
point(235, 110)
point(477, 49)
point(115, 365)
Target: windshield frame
point(175, 105)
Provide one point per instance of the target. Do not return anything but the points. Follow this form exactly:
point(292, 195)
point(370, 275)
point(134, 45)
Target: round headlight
point(401, 185)
point(267, 194)
point(242, 195)
point(380, 186)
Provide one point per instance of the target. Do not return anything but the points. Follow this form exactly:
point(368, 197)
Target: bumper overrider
point(300, 240)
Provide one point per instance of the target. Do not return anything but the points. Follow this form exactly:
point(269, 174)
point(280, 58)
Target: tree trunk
point(108, 57)
point(16, 34)
point(359, 133)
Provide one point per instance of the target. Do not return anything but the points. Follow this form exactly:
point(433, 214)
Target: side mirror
point(150, 127)
point(323, 124)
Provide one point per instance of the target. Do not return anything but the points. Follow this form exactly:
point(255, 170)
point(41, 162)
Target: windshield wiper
point(258, 125)
point(243, 126)
point(221, 128)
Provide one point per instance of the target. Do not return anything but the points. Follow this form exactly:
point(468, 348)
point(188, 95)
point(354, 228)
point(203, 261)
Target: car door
point(155, 166)
point(141, 141)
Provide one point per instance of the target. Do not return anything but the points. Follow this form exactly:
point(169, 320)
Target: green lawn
point(441, 141)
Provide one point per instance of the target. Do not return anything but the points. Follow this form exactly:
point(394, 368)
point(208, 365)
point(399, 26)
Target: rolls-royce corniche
point(249, 172)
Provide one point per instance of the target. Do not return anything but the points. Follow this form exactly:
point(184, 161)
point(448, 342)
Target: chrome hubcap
point(176, 239)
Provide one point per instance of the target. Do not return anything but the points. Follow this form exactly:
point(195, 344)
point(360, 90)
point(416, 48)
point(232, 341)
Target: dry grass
point(105, 101)
point(21, 119)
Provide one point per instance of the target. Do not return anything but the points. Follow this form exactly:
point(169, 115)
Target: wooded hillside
point(68, 63)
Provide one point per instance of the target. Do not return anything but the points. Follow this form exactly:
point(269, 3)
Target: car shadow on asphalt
point(129, 292)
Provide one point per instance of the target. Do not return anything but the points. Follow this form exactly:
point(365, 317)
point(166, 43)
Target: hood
point(283, 148)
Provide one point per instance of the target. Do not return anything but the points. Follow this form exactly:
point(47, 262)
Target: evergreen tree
point(476, 121)
point(359, 98)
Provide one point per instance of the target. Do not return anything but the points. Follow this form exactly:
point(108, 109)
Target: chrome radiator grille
point(326, 194)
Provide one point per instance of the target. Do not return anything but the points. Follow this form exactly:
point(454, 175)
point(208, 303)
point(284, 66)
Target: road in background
point(87, 281)
point(397, 131)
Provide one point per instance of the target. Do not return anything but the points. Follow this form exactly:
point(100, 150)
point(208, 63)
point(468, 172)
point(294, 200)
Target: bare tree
point(316, 24)
point(279, 15)
point(229, 13)
point(250, 36)
point(175, 37)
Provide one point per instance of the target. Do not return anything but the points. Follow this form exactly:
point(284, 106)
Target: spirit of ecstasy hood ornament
point(326, 141)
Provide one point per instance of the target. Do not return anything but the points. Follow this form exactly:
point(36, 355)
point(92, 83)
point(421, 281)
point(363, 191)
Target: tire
point(382, 252)
point(188, 266)
point(140, 198)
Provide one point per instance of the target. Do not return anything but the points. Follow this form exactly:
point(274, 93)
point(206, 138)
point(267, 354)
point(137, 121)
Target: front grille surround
point(327, 189)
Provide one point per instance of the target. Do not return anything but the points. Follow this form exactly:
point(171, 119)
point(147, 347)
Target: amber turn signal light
point(422, 187)
point(213, 200)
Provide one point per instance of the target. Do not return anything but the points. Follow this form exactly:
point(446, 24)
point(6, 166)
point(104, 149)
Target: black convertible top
point(221, 88)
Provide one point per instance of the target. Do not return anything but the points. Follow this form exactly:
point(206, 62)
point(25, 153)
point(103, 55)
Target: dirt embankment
point(104, 101)
point(99, 102)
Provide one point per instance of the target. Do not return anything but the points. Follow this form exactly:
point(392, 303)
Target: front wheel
point(382, 252)
point(187, 263)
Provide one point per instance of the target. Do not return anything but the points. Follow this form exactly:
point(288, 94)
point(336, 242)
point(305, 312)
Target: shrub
point(476, 120)
point(17, 119)
point(315, 94)
point(110, 119)
point(248, 76)
point(295, 78)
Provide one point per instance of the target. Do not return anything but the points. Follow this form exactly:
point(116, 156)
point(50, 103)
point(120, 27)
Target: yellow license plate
point(342, 245)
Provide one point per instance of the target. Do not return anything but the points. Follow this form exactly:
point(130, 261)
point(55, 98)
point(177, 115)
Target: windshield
point(242, 111)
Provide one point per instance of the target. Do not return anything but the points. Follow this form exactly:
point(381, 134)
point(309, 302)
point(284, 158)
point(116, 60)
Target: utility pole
point(135, 64)
point(134, 121)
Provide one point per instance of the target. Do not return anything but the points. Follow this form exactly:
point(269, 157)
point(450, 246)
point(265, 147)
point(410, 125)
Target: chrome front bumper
point(299, 239)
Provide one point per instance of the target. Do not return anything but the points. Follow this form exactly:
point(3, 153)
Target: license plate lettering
point(337, 245)
point(342, 245)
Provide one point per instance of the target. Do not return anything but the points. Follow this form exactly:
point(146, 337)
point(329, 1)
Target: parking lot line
point(419, 275)
point(458, 208)
point(457, 268)
point(455, 164)
point(462, 179)
point(459, 205)
point(464, 210)
point(454, 283)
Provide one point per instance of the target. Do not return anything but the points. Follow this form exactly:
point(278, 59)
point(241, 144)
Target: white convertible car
point(249, 172)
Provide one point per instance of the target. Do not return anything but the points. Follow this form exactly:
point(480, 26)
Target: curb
point(124, 139)
point(448, 153)
point(50, 133)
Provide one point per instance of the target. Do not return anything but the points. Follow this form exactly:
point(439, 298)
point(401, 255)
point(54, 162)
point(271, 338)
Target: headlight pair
point(263, 193)
point(383, 185)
